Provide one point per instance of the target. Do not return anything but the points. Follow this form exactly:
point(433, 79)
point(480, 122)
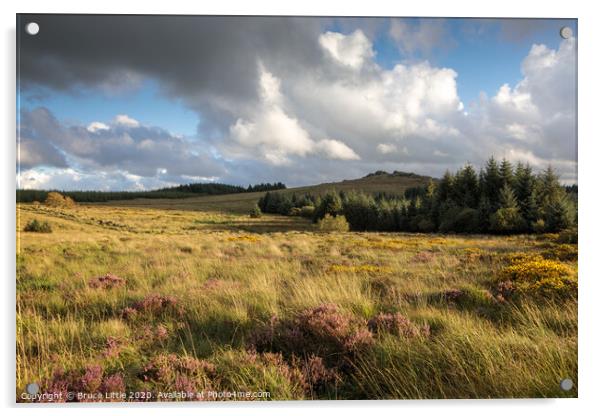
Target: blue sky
point(295, 100)
point(145, 104)
point(482, 56)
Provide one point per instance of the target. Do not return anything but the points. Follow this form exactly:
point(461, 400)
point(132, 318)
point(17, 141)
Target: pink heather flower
point(107, 281)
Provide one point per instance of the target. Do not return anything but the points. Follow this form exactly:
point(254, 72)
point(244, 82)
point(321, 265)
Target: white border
point(589, 182)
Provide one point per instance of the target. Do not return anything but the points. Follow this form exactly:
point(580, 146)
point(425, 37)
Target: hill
point(380, 181)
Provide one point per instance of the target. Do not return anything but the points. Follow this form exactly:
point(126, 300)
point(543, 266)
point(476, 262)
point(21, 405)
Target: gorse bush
point(329, 223)
point(36, 226)
point(538, 276)
point(500, 199)
point(255, 212)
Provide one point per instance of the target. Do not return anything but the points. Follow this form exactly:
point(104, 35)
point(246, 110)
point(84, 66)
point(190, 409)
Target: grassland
point(120, 299)
point(243, 202)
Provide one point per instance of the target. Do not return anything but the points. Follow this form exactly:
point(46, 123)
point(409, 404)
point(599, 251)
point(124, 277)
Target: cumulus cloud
point(96, 126)
point(274, 135)
point(315, 95)
point(123, 146)
point(351, 50)
point(125, 120)
point(537, 117)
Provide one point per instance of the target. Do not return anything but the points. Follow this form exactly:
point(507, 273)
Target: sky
point(144, 102)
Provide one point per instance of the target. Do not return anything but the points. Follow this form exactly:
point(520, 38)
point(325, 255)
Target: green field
point(202, 298)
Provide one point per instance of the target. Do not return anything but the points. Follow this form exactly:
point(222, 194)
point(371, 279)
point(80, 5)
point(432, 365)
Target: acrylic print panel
point(289, 208)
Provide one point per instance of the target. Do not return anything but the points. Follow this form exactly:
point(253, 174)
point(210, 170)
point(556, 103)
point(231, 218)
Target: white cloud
point(334, 149)
point(129, 148)
point(96, 126)
point(538, 114)
point(125, 120)
point(272, 134)
point(344, 108)
point(349, 50)
point(423, 36)
point(386, 148)
point(380, 114)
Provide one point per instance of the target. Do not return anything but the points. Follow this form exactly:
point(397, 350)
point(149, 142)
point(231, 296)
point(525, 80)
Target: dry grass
point(203, 283)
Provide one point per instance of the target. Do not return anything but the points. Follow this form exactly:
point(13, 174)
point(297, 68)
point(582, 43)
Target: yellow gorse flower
point(246, 238)
point(363, 268)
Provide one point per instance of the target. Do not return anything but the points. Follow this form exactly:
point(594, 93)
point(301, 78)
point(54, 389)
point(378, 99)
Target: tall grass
point(204, 285)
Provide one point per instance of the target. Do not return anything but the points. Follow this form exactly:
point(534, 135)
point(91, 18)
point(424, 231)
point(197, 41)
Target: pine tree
point(445, 190)
point(506, 173)
point(526, 193)
point(467, 187)
point(507, 198)
point(492, 182)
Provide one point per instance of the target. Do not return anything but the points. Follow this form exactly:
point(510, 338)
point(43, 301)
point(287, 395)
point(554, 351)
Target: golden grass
point(229, 274)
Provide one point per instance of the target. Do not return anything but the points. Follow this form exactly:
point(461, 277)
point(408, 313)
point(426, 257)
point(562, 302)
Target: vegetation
point(121, 299)
point(55, 199)
point(255, 212)
point(36, 226)
point(330, 223)
point(176, 192)
point(501, 199)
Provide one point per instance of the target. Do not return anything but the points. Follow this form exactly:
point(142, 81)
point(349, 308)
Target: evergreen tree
point(506, 173)
point(467, 187)
point(492, 183)
point(526, 193)
point(331, 204)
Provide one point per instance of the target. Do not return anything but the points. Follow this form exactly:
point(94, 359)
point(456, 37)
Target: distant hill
point(377, 182)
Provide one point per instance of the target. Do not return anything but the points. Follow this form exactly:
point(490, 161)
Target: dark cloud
point(277, 96)
point(210, 62)
point(138, 150)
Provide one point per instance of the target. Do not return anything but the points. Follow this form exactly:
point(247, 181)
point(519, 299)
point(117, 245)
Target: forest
point(180, 191)
point(501, 199)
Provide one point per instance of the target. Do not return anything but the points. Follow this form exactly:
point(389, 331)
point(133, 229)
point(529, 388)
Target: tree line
point(501, 198)
point(180, 191)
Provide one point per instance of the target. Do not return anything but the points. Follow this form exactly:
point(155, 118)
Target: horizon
point(243, 185)
point(303, 101)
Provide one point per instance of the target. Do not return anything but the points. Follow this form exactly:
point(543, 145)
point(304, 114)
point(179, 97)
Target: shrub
point(331, 204)
point(329, 223)
point(537, 276)
point(255, 212)
point(507, 221)
point(36, 226)
point(323, 331)
point(55, 199)
point(397, 324)
point(90, 379)
point(539, 226)
point(426, 225)
point(564, 252)
point(108, 281)
point(155, 305)
point(178, 373)
point(307, 211)
point(260, 372)
point(460, 220)
point(568, 236)
point(469, 297)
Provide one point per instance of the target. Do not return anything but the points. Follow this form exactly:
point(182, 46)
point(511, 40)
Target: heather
point(120, 299)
